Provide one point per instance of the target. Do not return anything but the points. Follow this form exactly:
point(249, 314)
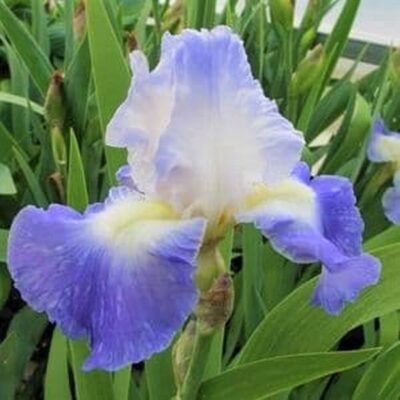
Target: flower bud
point(215, 306)
point(182, 352)
point(79, 23)
point(54, 102)
point(131, 43)
point(307, 71)
point(307, 40)
point(282, 13)
point(210, 265)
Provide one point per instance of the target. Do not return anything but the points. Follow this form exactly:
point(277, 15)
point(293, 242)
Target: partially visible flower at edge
point(384, 147)
point(206, 150)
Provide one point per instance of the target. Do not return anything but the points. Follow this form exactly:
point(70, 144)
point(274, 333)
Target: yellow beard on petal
point(389, 148)
point(122, 215)
point(290, 197)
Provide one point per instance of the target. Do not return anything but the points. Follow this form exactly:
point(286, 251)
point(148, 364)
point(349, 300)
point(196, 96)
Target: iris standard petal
point(391, 201)
point(384, 146)
point(224, 134)
point(121, 274)
point(142, 117)
point(317, 221)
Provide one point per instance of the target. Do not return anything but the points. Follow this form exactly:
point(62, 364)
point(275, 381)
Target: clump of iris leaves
point(63, 71)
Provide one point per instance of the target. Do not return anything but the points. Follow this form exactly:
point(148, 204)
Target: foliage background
point(63, 72)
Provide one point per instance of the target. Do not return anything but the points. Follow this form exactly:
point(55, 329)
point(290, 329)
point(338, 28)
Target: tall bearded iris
point(206, 150)
point(384, 146)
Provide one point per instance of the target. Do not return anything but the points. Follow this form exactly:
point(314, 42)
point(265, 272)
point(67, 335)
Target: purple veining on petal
point(224, 134)
point(128, 294)
point(334, 240)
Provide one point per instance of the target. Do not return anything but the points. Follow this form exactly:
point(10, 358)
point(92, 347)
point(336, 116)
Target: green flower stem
point(201, 350)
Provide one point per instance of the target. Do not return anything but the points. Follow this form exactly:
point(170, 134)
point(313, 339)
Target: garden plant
point(197, 201)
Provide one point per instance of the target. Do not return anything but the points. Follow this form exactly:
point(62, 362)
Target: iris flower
point(384, 146)
point(206, 150)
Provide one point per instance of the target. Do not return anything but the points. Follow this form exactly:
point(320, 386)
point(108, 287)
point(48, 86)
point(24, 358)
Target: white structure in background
point(377, 21)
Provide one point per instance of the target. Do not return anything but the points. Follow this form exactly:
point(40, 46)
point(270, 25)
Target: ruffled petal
point(224, 135)
point(317, 221)
point(121, 274)
point(391, 201)
point(142, 117)
point(384, 146)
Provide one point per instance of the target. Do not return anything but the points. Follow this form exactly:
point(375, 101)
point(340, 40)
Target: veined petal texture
point(216, 135)
point(309, 220)
point(121, 274)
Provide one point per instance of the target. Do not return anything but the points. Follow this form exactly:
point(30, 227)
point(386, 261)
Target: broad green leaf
point(351, 138)
point(309, 328)
point(3, 245)
point(214, 362)
point(279, 277)
point(15, 351)
point(122, 383)
point(21, 101)
point(77, 84)
point(111, 83)
point(31, 179)
point(69, 32)
point(7, 186)
point(389, 236)
point(19, 85)
point(265, 378)
point(56, 383)
point(252, 246)
point(27, 48)
point(330, 108)
point(389, 329)
point(381, 381)
point(7, 142)
point(39, 25)
point(5, 282)
point(159, 376)
point(89, 385)
point(76, 187)
point(338, 38)
point(95, 384)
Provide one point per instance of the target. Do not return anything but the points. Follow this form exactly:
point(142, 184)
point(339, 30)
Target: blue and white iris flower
point(206, 150)
point(384, 147)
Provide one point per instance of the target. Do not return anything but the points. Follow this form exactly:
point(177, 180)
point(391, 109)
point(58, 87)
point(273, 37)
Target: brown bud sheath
point(215, 305)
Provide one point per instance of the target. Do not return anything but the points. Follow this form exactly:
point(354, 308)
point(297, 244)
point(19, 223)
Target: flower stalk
point(213, 311)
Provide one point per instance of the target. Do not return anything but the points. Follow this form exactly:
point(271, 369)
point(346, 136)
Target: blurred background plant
point(63, 72)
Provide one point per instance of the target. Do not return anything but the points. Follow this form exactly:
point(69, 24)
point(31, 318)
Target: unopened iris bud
point(182, 352)
point(54, 104)
point(59, 150)
point(210, 265)
point(215, 305)
point(282, 12)
point(55, 116)
point(307, 71)
point(79, 23)
point(131, 43)
point(173, 17)
point(307, 40)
